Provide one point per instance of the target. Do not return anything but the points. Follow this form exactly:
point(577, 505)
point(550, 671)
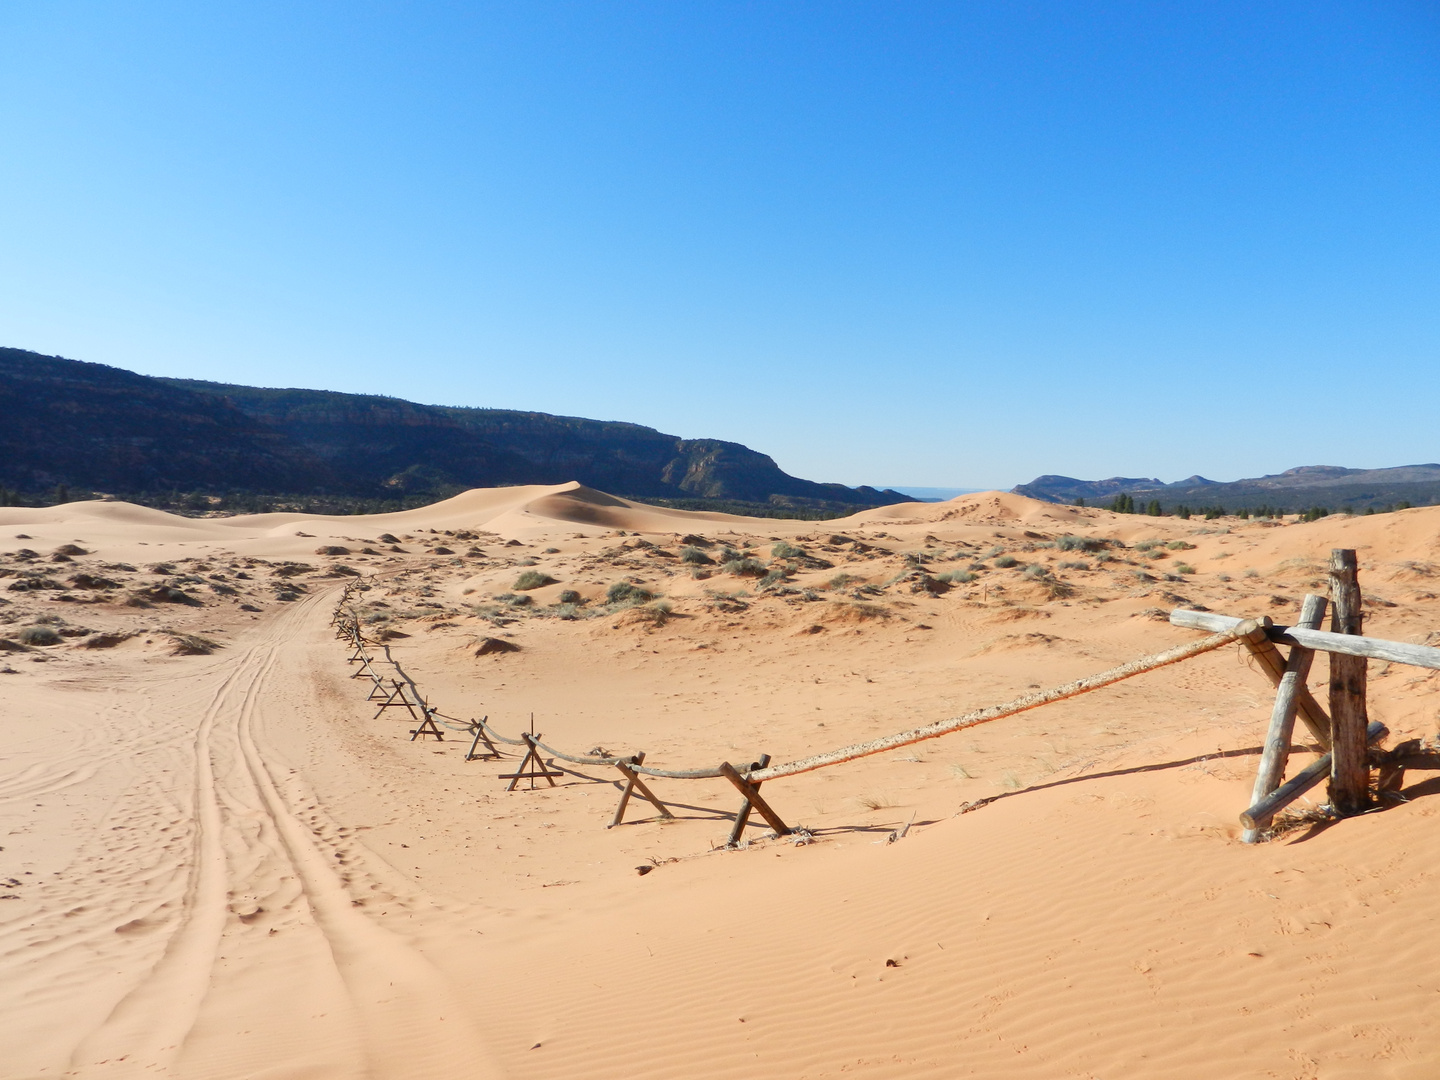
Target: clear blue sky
point(902, 243)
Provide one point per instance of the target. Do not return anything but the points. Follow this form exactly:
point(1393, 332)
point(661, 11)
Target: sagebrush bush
point(1004, 562)
point(696, 556)
point(784, 550)
point(38, 635)
point(745, 567)
point(1184, 568)
point(532, 579)
point(656, 612)
point(570, 596)
point(958, 576)
point(192, 644)
point(1080, 543)
point(623, 592)
point(773, 577)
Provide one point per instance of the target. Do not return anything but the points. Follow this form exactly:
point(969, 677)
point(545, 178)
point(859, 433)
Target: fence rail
point(747, 778)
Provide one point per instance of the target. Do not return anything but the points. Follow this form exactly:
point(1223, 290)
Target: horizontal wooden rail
point(1010, 708)
point(1397, 652)
point(1259, 815)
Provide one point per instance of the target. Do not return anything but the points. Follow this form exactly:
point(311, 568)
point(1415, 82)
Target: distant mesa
point(1293, 490)
point(76, 426)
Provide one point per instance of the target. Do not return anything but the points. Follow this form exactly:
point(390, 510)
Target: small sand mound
point(843, 613)
point(492, 646)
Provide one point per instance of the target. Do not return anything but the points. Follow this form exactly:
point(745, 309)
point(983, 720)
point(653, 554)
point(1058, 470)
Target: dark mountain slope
point(90, 426)
point(407, 446)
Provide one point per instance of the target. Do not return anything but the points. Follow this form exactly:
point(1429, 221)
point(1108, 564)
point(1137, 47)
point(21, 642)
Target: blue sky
point(930, 244)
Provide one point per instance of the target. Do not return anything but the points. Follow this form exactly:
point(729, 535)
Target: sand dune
point(219, 864)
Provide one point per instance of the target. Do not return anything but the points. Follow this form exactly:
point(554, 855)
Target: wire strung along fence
point(1349, 742)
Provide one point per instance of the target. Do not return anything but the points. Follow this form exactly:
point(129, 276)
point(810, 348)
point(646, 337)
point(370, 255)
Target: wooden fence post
point(491, 753)
point(1282, 717)
point(1349, 761)
point(632, 783)
point(751, 790)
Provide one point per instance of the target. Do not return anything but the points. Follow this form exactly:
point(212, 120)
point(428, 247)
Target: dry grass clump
point(744, 566)
point(190, 644)
point(625, 593)
point(38, 635)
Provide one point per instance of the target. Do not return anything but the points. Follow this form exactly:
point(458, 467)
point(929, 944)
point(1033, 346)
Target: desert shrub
point(92, 581)
point(1075, 566)
point(192, 644)
point(568, 612)
point(162, 594)
point(744, 567)
point(696, 556)
point(1180, 545)
point(532, 579)
point(1004, 562)
point(1080, 543)
point(773, 577)
point(841, 581)
point(785, 550)
point(1184, 568)
point(570, 596)
point(623, 592)
point(332, 549)
point(1035, 570)
point(657, 613)
point(38, 635)
point(960, 577)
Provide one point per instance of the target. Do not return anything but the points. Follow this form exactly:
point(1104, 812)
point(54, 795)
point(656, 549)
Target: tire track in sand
point(404, 1011)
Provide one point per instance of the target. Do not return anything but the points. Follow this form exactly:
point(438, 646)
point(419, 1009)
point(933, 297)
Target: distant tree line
point(1126, 504)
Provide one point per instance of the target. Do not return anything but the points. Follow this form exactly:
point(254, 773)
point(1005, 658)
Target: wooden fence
point(1348, 741)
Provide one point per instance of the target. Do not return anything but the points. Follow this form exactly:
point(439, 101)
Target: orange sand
point(220, 866)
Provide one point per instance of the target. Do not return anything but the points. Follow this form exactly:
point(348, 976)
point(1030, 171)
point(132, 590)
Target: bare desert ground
point(215, 862)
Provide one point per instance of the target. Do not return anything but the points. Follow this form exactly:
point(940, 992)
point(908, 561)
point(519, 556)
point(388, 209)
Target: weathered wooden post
point(1349, 762)
point(1282, 717)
